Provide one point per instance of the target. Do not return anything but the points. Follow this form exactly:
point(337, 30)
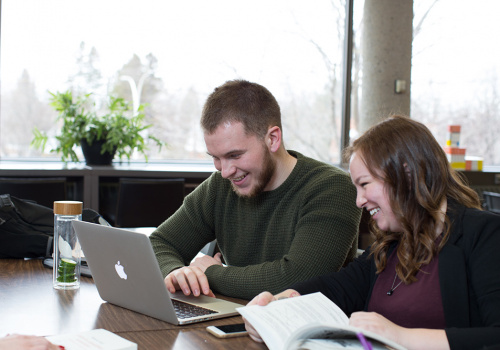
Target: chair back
point(492, 201)
point(147, 202)
point(42, 190)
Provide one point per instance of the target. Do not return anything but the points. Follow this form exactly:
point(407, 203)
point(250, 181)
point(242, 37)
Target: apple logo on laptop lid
point(120, 270)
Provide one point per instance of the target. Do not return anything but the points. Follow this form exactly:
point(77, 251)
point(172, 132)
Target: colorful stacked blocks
point(456, 155)
point(453, 136)
point(474, 163)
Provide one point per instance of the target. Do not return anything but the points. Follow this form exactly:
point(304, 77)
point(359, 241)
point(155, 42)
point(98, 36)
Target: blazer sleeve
point(349, 288)
point(480, 243)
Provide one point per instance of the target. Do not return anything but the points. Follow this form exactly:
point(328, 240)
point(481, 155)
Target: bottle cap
point(68, 207)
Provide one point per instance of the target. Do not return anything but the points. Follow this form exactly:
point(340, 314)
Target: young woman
point(430, 280)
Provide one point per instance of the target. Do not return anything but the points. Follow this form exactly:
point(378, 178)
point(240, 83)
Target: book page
point(278, 320)
point(96, 339)
point(332, 344)
point(328, 336)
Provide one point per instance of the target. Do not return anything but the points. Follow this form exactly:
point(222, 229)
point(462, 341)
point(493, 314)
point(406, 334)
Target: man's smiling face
point(242, 159)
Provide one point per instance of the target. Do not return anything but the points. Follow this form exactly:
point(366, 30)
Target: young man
point(278, 216)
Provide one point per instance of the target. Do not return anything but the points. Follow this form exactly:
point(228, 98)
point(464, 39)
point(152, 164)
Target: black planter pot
point(93, 154)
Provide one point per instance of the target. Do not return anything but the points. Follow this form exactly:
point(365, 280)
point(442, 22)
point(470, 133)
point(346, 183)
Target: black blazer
point(469, 278)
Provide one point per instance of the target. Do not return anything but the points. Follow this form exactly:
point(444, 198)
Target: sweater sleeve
point(325, 231)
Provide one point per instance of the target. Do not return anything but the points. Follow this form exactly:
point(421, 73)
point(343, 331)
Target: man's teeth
point(374, 211)
point(239, 178)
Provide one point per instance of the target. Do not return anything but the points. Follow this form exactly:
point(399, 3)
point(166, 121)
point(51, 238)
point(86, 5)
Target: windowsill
point(490, 169)
point(155, 165)
point(196, 165)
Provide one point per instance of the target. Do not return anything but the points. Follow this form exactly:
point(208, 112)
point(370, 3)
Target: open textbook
point(310, 321)
point(96, 339)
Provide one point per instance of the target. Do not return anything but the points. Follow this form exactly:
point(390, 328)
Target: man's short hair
point(241, 101)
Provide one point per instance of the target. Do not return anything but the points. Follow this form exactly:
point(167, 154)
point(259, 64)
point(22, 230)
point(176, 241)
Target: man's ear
point(273, 138)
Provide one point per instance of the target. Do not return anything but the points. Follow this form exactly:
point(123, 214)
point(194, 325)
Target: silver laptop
point(127, 274)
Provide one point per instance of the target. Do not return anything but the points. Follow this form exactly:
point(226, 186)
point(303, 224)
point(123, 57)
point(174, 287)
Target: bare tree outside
point(322, 111)
point(455, 73)
point(172, 63)
point(25, 109)
point(87, 76)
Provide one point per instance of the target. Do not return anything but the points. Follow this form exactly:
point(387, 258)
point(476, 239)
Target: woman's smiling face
point(372, 196)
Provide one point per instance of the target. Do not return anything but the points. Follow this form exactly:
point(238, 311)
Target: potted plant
point(117, 132)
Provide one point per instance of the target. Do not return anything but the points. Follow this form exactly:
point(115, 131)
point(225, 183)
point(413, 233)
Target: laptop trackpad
point(205, 301)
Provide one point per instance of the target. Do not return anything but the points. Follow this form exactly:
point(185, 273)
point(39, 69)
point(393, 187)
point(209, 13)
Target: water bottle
point(67, 250)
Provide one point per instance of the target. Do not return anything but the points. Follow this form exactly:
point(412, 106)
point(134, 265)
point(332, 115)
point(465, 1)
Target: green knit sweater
point(306, 227)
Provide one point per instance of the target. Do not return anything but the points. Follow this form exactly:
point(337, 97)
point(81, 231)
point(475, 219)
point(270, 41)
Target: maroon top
point(417, 305)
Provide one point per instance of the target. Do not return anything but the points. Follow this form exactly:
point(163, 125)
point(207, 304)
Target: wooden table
point(29, 305)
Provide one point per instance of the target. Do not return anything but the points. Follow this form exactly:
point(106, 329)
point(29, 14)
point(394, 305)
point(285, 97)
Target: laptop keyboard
point(185, 310)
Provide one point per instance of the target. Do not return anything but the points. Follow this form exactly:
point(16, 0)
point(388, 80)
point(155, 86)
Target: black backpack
point(27, 228)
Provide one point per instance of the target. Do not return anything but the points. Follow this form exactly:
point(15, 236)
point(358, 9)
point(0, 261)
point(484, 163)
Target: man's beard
point(268, 169)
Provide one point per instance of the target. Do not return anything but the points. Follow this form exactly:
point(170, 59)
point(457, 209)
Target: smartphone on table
point(228, 331)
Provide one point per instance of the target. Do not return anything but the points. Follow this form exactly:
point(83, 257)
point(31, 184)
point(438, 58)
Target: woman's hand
point(26, 342)
point(376, 323)
point(410, 338)
point(263, 299)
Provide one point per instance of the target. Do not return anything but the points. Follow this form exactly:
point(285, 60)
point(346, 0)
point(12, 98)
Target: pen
point(366, 344)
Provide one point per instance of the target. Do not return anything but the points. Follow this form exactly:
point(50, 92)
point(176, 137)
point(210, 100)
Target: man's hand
point(206, 261)
point(189, 279)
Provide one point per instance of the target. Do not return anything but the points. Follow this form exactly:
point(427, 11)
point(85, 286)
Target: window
point(456, 73)
point(178, 51)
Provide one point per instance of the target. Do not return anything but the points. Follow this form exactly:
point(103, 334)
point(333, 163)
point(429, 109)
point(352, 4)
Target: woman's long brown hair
point(418, 177)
